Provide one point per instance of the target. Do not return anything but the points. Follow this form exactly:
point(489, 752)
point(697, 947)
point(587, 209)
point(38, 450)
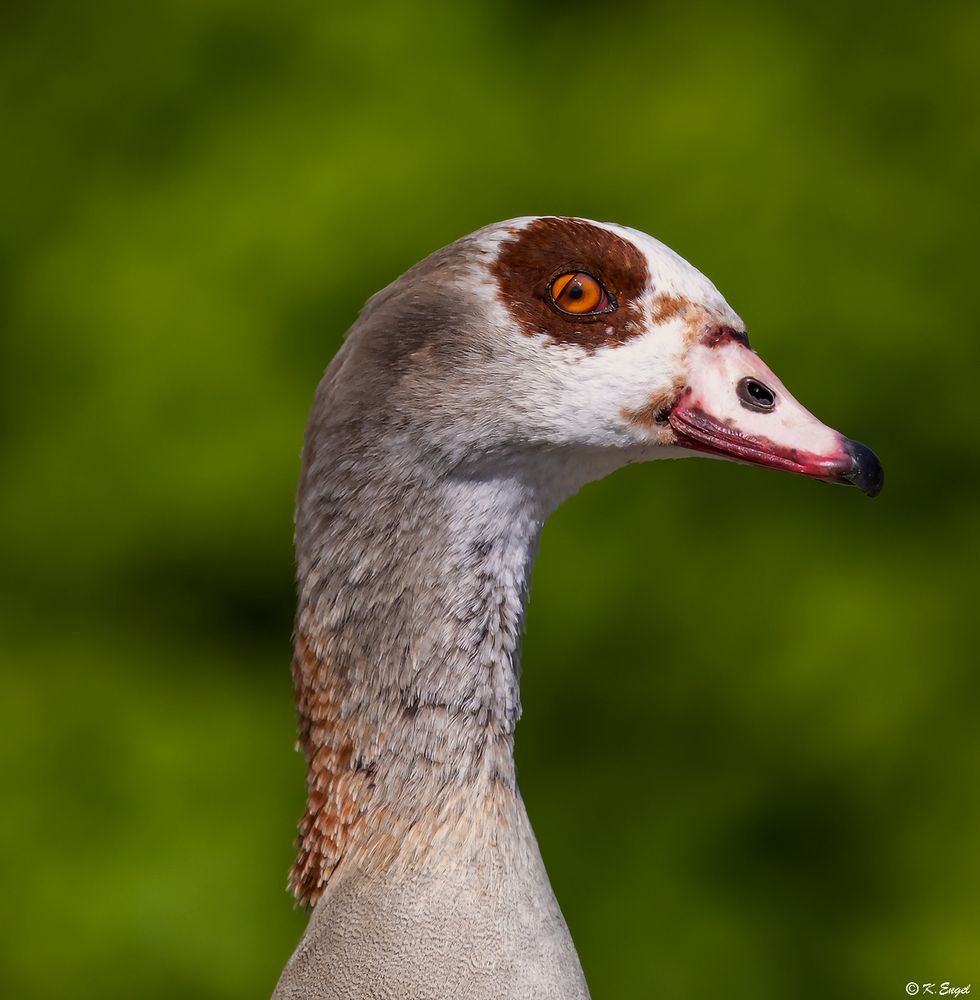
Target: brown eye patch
point(580, 294)
point(531, 264)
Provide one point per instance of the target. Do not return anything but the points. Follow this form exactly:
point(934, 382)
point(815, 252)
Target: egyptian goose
point(471, 397)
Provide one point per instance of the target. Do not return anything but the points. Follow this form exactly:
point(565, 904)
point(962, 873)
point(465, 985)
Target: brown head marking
point(654, 413)
point(667, 306)
point(720, 335)
point(534, 256)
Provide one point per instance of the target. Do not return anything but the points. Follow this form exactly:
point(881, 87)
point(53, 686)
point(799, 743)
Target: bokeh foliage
point(750, 744)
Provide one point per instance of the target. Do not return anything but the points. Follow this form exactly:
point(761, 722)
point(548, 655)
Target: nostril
point(755, 396)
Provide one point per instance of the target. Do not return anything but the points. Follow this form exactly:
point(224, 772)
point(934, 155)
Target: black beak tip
point(866, 472)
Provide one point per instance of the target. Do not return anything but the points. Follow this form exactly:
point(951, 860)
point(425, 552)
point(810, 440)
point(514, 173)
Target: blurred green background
point(750, 743)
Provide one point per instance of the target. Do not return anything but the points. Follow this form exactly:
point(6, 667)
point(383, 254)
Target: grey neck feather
point(413, 570)
point(417, 592)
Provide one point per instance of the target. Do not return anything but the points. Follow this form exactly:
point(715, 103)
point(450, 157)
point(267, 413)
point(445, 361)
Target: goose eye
point(580, 294)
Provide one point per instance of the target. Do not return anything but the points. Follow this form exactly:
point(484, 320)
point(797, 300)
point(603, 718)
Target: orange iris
point(578, 293)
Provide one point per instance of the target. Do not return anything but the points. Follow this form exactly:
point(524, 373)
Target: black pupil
point(576, 291)
point(760, 393)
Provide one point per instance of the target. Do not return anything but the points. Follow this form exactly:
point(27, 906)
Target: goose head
point(585, 343)
point(471, 396)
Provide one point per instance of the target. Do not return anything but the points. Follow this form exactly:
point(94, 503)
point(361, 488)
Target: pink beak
point(734, 407)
